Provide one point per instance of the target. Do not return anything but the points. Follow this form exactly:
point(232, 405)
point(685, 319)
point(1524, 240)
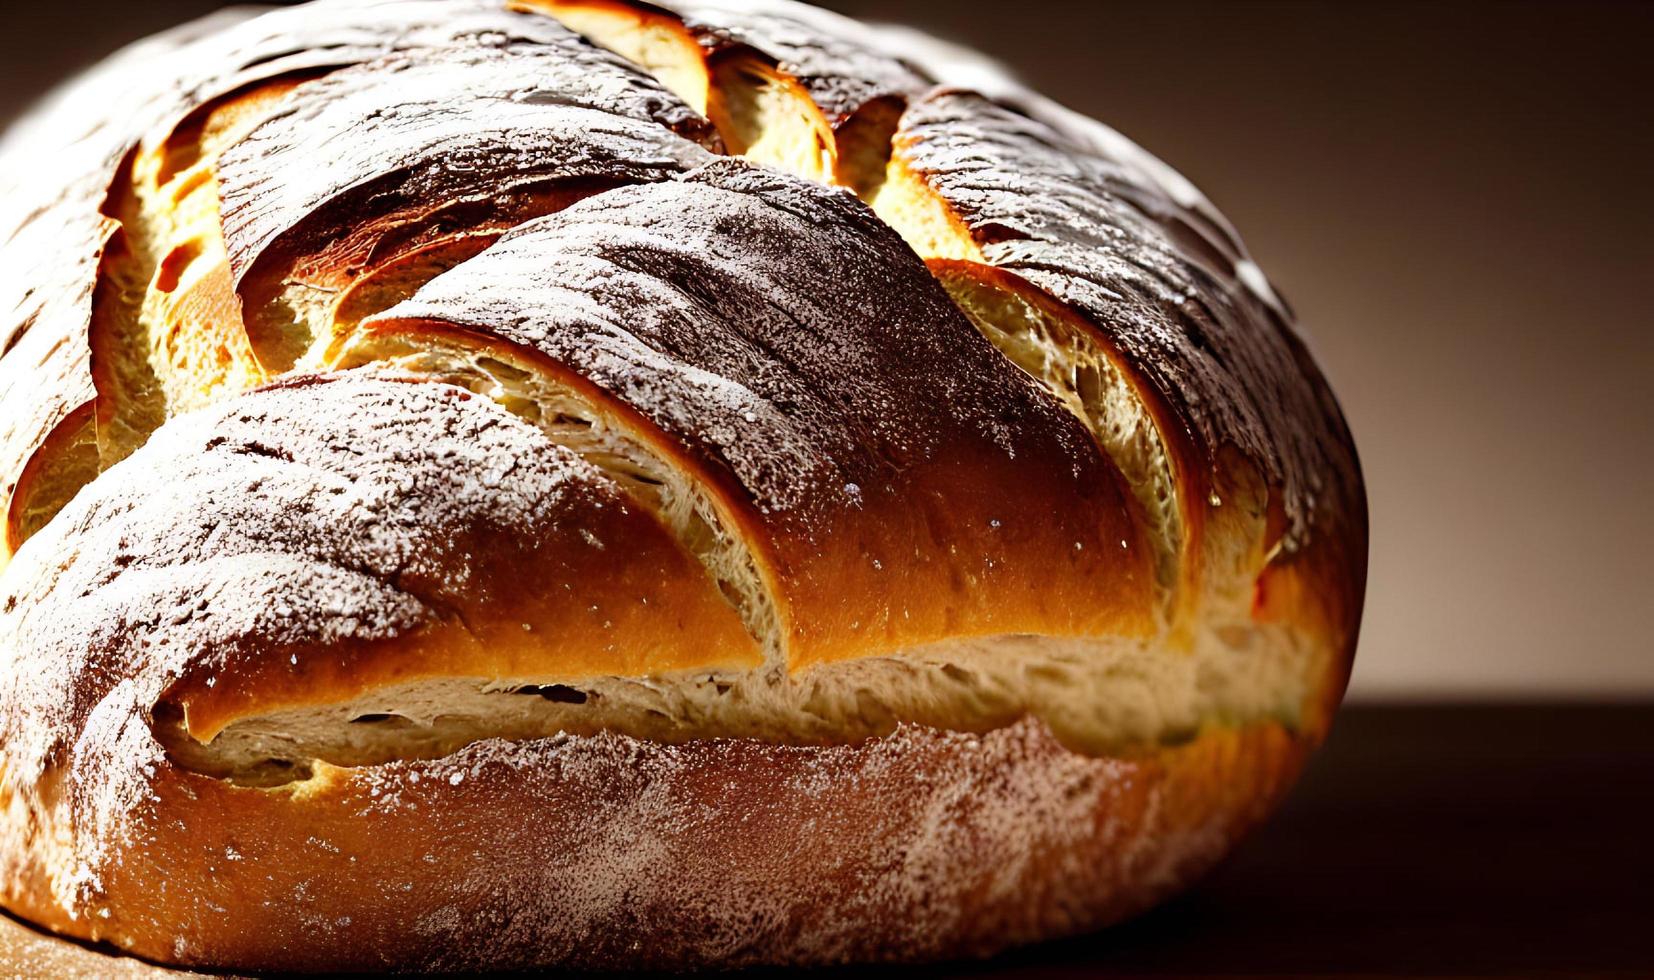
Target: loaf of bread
point(603, 484)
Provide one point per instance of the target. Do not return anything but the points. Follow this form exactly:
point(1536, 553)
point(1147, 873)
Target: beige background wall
point(1456, 198)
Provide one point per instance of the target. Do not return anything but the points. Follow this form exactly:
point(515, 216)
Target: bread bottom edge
point(610, 852)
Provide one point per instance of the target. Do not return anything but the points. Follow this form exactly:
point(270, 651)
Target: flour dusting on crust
point(733, 852)
point(774, 324)
point(58, 163)
point(308, 516)
point(1045, 206)
point(951, 563)
point(837, 60)
point(443, 124)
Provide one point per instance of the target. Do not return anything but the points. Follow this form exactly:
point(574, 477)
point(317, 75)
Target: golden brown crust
point(720, 56)
point(574, 377)
point(845, 412)
point(961, 275)
point(835, 60)
point(66, 460)
point(1030, 200)
point(431, 533)
point(1237, 399)
point(57, 167)
point(364, 167)
point(919, 845)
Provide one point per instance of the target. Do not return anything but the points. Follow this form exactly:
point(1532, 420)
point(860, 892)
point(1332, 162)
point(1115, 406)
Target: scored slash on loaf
point(604, 484)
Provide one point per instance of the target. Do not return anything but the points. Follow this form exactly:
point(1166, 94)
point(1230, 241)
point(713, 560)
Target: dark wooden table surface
point(1442, 840)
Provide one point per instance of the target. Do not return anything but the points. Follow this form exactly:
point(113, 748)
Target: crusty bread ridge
point(604, 484)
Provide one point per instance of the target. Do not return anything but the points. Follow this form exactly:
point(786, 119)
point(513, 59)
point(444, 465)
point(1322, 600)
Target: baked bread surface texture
point(602, 484)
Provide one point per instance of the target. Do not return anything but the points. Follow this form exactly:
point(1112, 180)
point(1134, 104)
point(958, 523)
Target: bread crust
point(364, 166)
point(1261, 450)
point(916, 846)
point(550, 395)
point(1035, 203)
point(845, 411)
point(57, 167)
point(836, 60)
